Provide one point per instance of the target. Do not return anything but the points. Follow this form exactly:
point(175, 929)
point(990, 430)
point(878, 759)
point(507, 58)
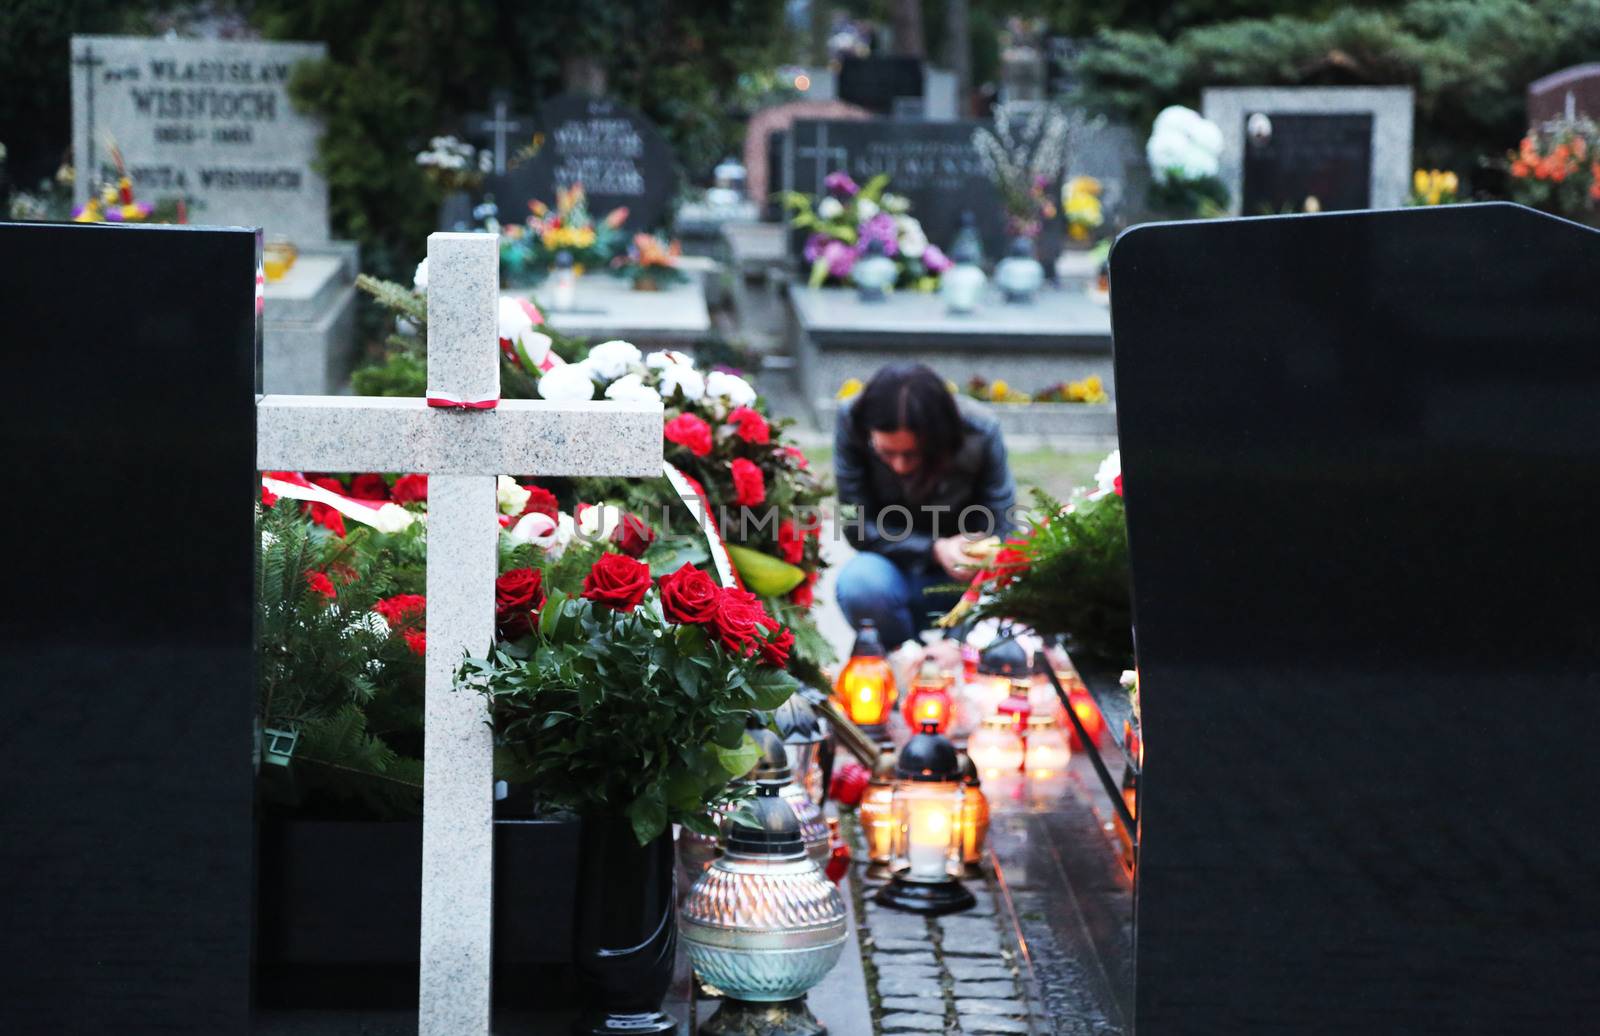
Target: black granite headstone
point(934, 164)
point(1061, 54)
point(126, 646)
point(1289, 158)
point(1361, 455)
point(876, 83)
point(617, 154)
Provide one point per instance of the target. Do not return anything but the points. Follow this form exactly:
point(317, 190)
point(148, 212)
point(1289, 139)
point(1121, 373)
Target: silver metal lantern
point(763, 924)
point(801, 731)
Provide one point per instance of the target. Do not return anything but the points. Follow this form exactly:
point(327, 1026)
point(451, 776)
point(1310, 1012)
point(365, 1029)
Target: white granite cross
point(462, 452)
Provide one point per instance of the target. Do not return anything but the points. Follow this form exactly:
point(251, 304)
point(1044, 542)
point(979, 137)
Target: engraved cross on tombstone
point(462, 449)
point(824, 159)
point(499, 124)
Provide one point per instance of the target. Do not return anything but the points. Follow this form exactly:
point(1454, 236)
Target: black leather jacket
point(977, 476)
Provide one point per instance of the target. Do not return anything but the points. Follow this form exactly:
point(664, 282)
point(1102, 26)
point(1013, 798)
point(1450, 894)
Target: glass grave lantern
point(813, 825)
point(1019, 275)
point(563, 282)
point(928, 806)
point(996, 751)
point(962, 285)
point(877, 817)
point(1002, 662)
point(974, 818)
point(874, 274)
point(1048, 753)
point(865, 689)
point(929, 700)
point(762, 923)
point(803, 732)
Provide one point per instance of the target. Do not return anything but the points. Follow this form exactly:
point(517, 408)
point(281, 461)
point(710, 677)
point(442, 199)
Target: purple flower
point(841, 258)
point(935, 260)
point(840, 184)
point(882, 228)
point(814, 245)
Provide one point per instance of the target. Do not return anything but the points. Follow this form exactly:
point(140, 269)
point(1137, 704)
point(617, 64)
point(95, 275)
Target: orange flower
point(1520, 168)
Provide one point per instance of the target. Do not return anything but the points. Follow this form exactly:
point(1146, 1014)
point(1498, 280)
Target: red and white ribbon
point(383, 515)
point(453, 401)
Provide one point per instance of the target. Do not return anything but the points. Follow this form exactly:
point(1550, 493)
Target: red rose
point(689, 595)
point(632, 536)
point(749, 425)
point(689, 432)
point(739, 621)
point(329, 483)
point(749, 487)
point(403, 610)
point(409, 489)
point(775, 648)
point(328, 518)
point(1116, 485)
point(540, 501)
point(369, 487)
point(268, 497)
point(802, 595)
point(617, 581)
point(518, 596)
point(320, 583)
point(797, 457)
point(417, 641)
point(791, 545)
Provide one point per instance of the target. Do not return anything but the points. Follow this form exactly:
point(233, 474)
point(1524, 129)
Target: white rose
point(419, 280)
point(511, 497)
point(737, 391)
point(596, 522)
point(830, 208)
point(549, 535)
point(1184, 143)
point(661, 359)
point(630, 387)
point(866, 208)
point(612, 359)
point(514, 318)
point(681, 376)
point(913, 242)
point(570, 381)
point(898, 204)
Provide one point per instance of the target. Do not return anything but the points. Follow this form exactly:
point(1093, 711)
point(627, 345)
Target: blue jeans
point(873, 587)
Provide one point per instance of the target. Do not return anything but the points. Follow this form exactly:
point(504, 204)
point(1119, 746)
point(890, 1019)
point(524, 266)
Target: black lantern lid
point(868, 644)
point(772, 769)
point(928, 757)
point(1005, 657)
point(763, 826)
point(797, 722)
point(969, 771)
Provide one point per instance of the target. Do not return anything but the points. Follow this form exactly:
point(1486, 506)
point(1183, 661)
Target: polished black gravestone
point(617, 154)
point(1362, 464)
point(1289, 158)
point(127, 440)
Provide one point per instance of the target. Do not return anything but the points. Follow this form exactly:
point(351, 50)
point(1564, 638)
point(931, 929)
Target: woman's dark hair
point(911, 396)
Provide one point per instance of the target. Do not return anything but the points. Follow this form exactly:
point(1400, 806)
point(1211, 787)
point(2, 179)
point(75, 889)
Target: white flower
point(830, 208)
point(684, 377)
point(866, 208)
point(731, 387)
point(630, 387)
point(570, 381)
point(1183, 144)
point(516, 317)
point(661, 359)
point(898, 204)
point(549, 535)
point(536, 344)
point(1105, 478)
point(596, 522)
point(511, 497)
point(419, 280)
point(612, 359)
point(913, 241)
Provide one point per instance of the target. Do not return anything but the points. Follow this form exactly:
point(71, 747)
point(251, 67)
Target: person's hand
point(951, 554)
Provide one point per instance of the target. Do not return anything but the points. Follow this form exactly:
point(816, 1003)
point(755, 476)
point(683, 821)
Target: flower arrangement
point(843, 223)
point(996, 391)
point(1080, 202)
point(1434, 187)
point(1067, 574)
point(650, 262)
point(113, 203)
point(1087, 390)
point(1557, 168)
point(1185, 154)
point(627, 694)
point(1024, 156)
point(454, 165)
point(528, 250)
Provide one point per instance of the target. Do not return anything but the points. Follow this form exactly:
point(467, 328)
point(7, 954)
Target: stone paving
point(955, 974)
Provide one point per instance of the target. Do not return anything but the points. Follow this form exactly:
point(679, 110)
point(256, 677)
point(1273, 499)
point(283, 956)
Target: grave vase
point(625, 930)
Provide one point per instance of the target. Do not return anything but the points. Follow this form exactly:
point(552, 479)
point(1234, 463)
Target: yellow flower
point(998, 389)
point(950, 387)
point(1419, 181)
point(849, 390)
